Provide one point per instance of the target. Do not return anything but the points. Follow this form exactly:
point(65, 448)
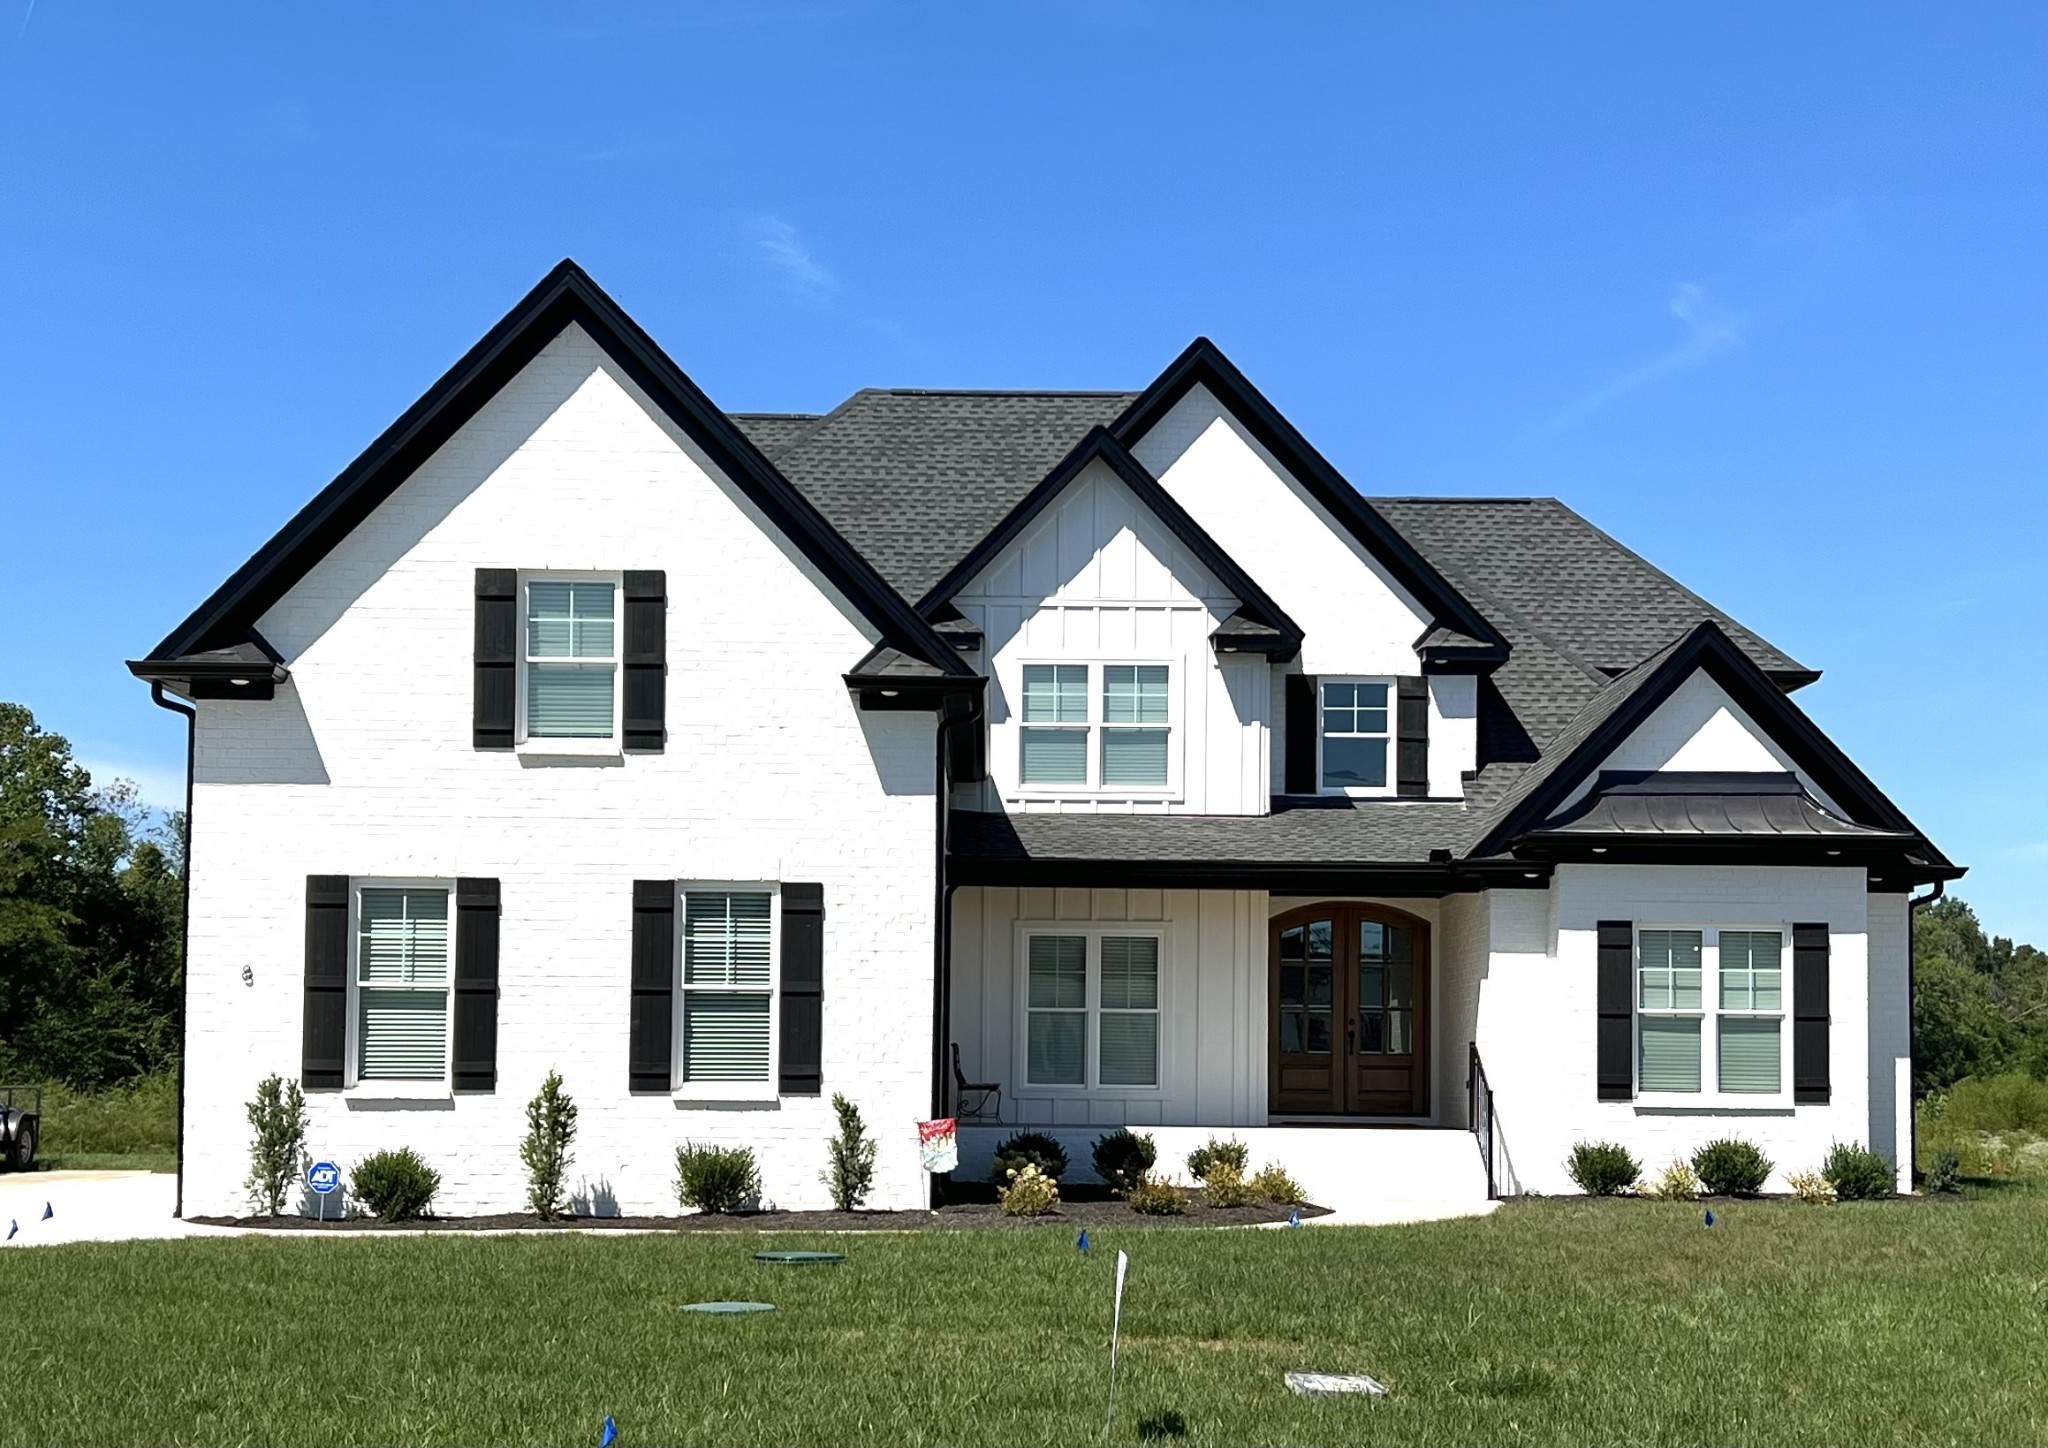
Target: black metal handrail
point(1479, 1111)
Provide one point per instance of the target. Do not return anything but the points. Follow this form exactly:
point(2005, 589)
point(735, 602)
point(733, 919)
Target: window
point(1091, 1009)
point(402, 980)
point(1130, 711)
point(572, 659)
point(727, 995)
point(1355, 735)
point(1739, 1027)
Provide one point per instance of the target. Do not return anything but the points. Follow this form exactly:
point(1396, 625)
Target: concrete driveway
point(91, 1206)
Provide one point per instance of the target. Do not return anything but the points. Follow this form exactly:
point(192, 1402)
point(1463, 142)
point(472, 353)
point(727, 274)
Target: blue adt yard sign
point(323, 1177)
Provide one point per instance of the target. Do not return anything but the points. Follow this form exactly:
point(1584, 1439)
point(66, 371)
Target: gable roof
point(565, 295)
point(1618, 710)
point(1257, 614)
point(1460, 630)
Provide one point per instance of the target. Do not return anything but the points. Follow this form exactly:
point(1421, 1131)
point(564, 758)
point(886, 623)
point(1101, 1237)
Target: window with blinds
point(1736, 1025)
point(1752, 1011)
point(1118, 741)
point(1668, 1010)
point(1134, 724)
point(402, 979)
point(1054, 695)
point(1128, 1032)
point(1091, 1009)
point(1056, 1011)
point(571, 659)
point(728, 981)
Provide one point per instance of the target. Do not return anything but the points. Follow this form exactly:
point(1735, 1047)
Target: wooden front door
point(1350, 1007)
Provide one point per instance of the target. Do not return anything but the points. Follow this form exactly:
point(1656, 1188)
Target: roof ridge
point(997, 392)
point(1522, 498)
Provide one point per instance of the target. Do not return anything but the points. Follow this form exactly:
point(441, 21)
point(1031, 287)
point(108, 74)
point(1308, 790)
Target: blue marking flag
point(12, 1228)
point(1294, 1218)
point(1083, 1243)
point(1710, 1216)
point(47, 1213)
point(610, 1434)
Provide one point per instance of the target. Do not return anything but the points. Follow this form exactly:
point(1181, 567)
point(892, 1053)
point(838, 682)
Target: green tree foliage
point(91, 918)
point(1980, 1003)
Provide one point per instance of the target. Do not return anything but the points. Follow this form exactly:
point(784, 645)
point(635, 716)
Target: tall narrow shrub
point(850, 1169)
point(278, 1153)
point(550, 1128)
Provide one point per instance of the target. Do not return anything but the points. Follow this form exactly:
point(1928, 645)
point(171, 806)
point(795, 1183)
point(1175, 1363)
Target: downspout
point(942, 916)
point(1913, 904)
point(158, 697)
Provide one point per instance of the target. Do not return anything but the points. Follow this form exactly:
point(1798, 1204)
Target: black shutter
point(803, 990)
point(324, 1049)
point(1616, 1068)
point(1810, 1013)
point(650, 1050)
point(646, 660)
point(1302, 731)
point(476, 985)
point(1411, 737)
point(497, 659)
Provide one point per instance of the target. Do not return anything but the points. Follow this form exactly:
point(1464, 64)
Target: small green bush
point(1028, 1193)
point(1122, 1157)
point(1677, 1184)
point(1731, 1168)
point(1212, 1153)
point(1225, 1186)
point(550, 1128)
point(397, 1185)
point(277, 1154)
point(849, 1158)
point(1029, 1148)
point(1603, 1168)
point(715, 1178)
point(1945, 1172)
point(1271, 1183)
point(1156, 1196)
point(2012, 1102)
point(1858, 1173)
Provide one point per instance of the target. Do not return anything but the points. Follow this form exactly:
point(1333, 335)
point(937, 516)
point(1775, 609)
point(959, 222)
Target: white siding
point(1098, 579)
point(363, 766)
point(1212, 1003)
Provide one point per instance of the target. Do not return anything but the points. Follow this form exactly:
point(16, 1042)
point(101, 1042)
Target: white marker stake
point(1116, 1322)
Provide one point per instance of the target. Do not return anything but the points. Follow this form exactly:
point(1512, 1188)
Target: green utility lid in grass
point(800, 1259)
point(725, 1309)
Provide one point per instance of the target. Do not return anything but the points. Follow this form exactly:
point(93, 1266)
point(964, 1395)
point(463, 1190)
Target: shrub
point(850, 1158)
point(140, 1117)
point(1858, 1173)
point(1029, 1192)
point(1213, 1153)
point(1122, 1157)
point(1225, 1186)
point(1603, 1168)
point(1678, 1184)
point(1811, 1187)
point(1271, 1183)
point(1731, 1168)
point(396, 1185)
point(2012, 1102)
point(1155, 1196)
point(1944, 1173)
point(715, 1178)
point(278, 1153)
point(1029, 1148)
point(550, 1127)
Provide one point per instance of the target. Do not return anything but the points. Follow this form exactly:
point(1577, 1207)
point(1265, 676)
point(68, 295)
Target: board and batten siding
point(1212, 1003)
point(363, 766)
point(1097, 579)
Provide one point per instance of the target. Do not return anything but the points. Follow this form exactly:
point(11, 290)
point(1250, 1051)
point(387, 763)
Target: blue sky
point(1762, 290)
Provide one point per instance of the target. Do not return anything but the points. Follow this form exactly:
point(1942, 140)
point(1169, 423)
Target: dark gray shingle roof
point(773, 431)
point(1379, 831)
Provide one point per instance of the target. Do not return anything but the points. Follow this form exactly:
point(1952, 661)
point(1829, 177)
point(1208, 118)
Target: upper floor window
point(1102, 726)
point(1356, 735)
point(571, 658)
point(401, 983)
point(1708, 998)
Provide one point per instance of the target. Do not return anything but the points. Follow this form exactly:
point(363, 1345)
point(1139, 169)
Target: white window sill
point(609, 747)
point(1677, 1104)
point(727, 1093)
point(422, 1092)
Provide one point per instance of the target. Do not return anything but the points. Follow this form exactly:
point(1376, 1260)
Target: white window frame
point(399, 1088)
point(736, 1091)
point(555, 744)
point(1392, 737)
point(1710, 1013)
point(1091, 786)
point(1093, 932)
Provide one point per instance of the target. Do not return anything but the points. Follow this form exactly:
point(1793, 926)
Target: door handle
point(1351, 1038)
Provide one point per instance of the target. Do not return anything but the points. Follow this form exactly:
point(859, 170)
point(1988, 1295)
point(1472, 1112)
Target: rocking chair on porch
point(987, 1096)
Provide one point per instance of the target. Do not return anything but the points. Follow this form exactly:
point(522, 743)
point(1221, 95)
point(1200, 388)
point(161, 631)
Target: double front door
point(1350, 1008)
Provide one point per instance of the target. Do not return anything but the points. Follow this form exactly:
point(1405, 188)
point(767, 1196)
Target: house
point(725, 762)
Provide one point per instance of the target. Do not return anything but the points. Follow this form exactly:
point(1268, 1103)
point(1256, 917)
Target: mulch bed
point(1073, 1214)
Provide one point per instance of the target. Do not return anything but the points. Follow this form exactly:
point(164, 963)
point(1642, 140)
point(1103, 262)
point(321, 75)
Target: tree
point(1980, 1004)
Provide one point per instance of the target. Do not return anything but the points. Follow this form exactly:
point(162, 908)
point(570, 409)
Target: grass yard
point(124, 1128)
point(1551, 1322)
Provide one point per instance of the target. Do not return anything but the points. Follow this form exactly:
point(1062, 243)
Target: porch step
point(1363, 1173)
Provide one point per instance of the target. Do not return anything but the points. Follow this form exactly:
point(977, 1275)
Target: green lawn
point(1555, 1322)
